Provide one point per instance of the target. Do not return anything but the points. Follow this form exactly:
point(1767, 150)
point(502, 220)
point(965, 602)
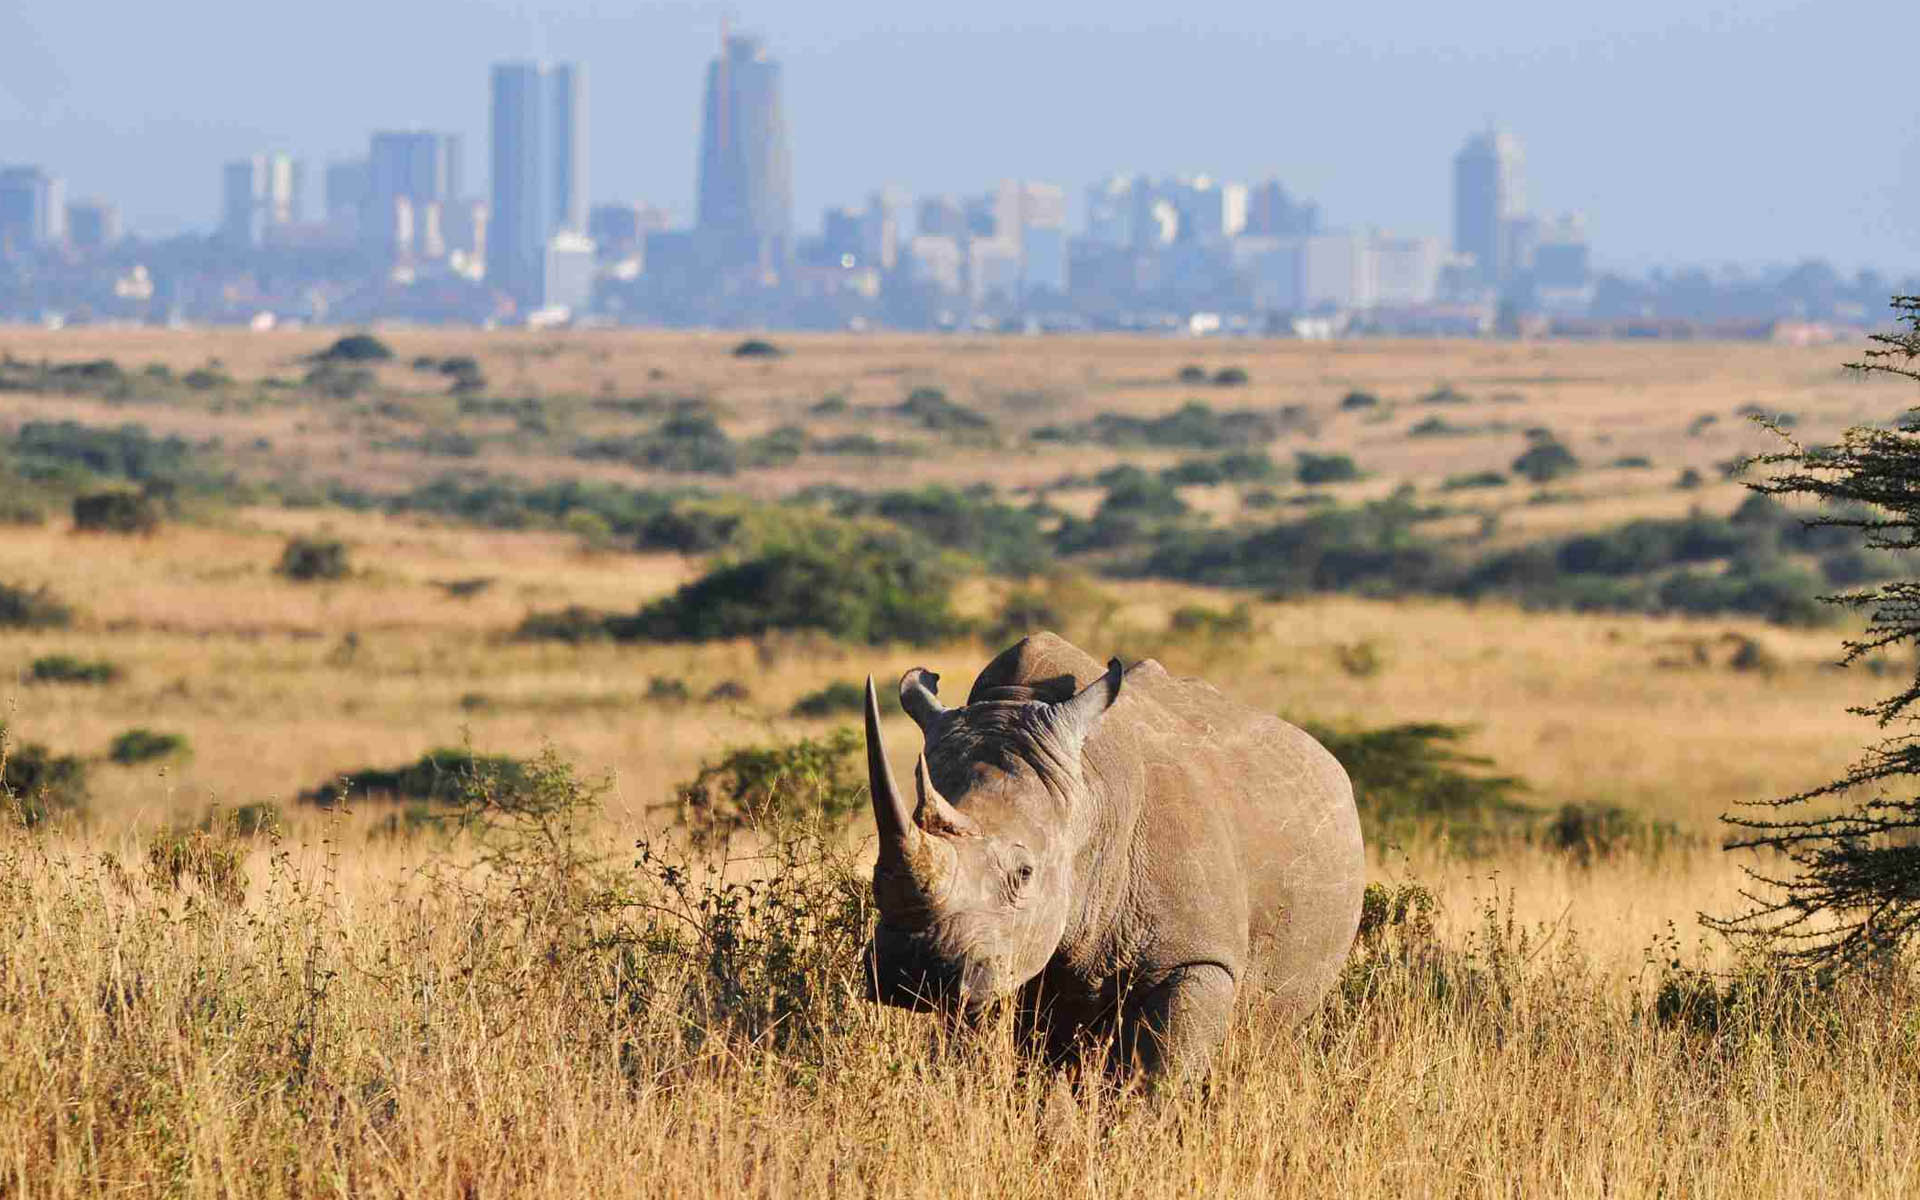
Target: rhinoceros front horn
point(899, 836)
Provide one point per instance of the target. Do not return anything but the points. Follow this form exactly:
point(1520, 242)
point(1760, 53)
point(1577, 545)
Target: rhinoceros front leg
point(1171, 1029)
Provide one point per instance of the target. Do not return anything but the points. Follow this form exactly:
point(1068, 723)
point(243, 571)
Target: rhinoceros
point(1112, 849)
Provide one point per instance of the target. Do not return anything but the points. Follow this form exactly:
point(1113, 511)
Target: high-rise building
point(1487, 195)
point(621, 230)
point(92, 225)
point(345, 189)
point(881, 226)
point(1273, 212)
point(413, 181)
point(539, 174)
point(745, 210)
point(260, 195)
point(33, 210)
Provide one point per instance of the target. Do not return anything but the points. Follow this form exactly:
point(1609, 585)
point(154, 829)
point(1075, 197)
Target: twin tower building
point(537, 250)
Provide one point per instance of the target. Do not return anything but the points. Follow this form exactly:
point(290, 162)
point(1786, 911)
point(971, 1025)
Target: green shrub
point(1315, 469)
point(757, 348)
point(23, 609)
point(838, 697)
point(1357, 400)
point(1444, 394)
point(1477, 479)
point(1191, 373)
point(206, 379)
point(338, 381)
point(1436, 426)
point(115, 512)
point(355, 348)
point(1198, 619)
point(1240, 466)
point(687, 443)
point(860, 585)
point(1414, 776)
point(758, 784)
point(64, 668)
point(1596, 831)
point(139, 745)
point(573, 625)
point(666, 689)
point(313, 559)
point(1194, 424)
point(36, 784)
point(45, 448)
point(1230, 377)
point(444, 776)
point(930, 408)
point(1689, 479)
point(1007, 540)
point(1545, 461)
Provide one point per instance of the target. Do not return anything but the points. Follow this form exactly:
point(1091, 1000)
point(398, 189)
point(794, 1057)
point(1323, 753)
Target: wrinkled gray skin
point(1112, 851)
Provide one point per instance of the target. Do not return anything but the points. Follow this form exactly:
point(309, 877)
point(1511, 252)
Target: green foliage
point(1239, 466)
point(1414, 777)
point(1194, 424)
point(667, 689)
point(837, 698)
point(1358, 400)
point(443, 776)
point(756, 785)
point(1445, 394)
point(1477, 479)
point(336, 380)
point(37, 609)
point(116, 511)
point(355, 348)
point(757, 348)
point(313, 559)
point(930, 408)
point(44, 450)
point(1596, 831)
point(1191, 373)
point(1230, 377)
point(856, 583)
point(1007, 540)
point(1196, 619)
point(138, 745)
point(688, 442)
point(1315, 469)
point(1545, 461)
point(1371, 549)
point(36, 784)
point(64, 668)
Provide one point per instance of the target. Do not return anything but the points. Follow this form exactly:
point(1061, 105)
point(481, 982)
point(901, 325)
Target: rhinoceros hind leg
point(1172, 1028)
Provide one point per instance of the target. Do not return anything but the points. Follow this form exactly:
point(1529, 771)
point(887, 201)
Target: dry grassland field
point(499, 592)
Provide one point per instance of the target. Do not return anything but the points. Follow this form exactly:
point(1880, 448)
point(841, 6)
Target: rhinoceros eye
point(1022, 875)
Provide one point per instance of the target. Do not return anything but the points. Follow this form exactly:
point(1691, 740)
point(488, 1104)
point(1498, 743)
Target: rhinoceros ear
point(1079, 715)
point(919, 691)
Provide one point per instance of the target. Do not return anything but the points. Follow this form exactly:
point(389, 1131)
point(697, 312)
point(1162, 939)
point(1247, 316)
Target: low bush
point(138, 745)
point(444, 776)
point(37, 609)
point(1194, 424)
point(37, 784)
point(837, 698)
point(45, 449)
point(355, 348)
point(858, 584)
point(313, 559)
point(1195, 619)
point(1191, 373)
point(757, 785)
point(667, 689)
point(338, 381)
point(757, 348)
point(1596, 831)
point(930, 408)
point(116, 511)
point(1315, 469)
point(1477, 479)
point(1414, 777)
point(1240, 466)
point(1545, 461)
point(1230, 377)
point(1358, 400)
point(64, 668)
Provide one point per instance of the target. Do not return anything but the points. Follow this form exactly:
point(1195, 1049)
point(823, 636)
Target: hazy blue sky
point(1688, 132)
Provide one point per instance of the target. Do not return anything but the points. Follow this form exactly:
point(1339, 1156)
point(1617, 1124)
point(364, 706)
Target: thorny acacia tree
point(1856, 891)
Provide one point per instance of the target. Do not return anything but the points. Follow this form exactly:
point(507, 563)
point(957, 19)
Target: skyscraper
point(539, 173)
point(92, 225)
point(1487, 194)
point(259, 194)
point(33, 209)
point(413, 180)
point(745, 212)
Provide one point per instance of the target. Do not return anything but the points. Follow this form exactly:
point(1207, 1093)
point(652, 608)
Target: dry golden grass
point(357, 1025)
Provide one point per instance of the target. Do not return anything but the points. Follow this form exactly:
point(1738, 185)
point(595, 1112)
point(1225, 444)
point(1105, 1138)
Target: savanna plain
point(431, 768)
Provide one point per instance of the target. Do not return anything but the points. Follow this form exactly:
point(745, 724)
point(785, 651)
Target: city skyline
point(1715, 180)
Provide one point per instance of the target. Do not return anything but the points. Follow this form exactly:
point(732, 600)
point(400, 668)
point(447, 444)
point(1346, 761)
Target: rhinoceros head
point(974, 881)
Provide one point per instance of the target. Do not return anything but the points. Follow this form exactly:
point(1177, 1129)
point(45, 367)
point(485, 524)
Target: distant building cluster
point(409, 233)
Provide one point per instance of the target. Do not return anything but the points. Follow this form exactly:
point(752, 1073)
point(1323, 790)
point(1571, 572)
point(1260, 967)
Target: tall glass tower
point(539, 173)
point(1487, 195)
point(745, 212)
